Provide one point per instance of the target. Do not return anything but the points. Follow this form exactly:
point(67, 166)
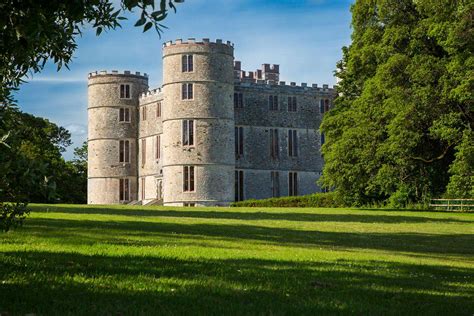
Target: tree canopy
point(401, 130)
point(34, 32)
point(32, 168)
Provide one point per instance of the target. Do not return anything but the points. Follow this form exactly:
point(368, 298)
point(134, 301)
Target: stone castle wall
point(105, 131)
point(215, 78)
point(211, 108)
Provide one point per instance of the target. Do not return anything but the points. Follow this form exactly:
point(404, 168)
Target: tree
point(32, 164)
point(32, 167)
point(72, 185)
point(405, 101)
point(34, 32)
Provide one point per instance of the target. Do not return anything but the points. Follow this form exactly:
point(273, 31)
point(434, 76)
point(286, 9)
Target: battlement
point(204, 41)
point(117, 73)
point(267, 72)
point(150, 92)
point(261, 83)
point(271, 68)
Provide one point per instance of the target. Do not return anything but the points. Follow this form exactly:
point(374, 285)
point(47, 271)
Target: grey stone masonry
point(211, 134)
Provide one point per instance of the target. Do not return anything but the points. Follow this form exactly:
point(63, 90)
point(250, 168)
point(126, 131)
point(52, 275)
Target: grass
point(124, 260)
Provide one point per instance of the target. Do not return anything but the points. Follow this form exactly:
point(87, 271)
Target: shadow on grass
point(68, 283)
point(453, 244)
point(288, 216)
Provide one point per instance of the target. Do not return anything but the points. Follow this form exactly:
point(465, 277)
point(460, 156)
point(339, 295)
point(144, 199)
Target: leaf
point(140, 22)
point(147, 26)
point(98, 31)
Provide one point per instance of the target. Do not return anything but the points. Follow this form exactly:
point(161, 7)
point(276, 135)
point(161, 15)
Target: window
point(124, 115)
point(239, 141)
point(291, 104)
point(322, 139)
point(324, 105)
point(275, 179)
point(292, 183)
point(143, 151)
point(143, 113)
point(158, 109)
point(143, 188)
point(239, 185)
point(124, 190)
point(189, 204)
point(238, 100)
point(274, 147)
point(187, 91)
point(273, 102)
point(188, 178)
point(188, 132)
point(292, 143)
point(124, 91)
point(187, 63)
point(124, 151)
point(158, 147)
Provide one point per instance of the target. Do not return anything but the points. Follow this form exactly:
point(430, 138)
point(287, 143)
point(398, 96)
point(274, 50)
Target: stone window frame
point(189, 179)
point(143, 152)
point(189, 204)
point(157, 147)
point(274, 143)
point(186, 93)
point(275, 183)
point(292, 104)
point(143, 188)
point(187, 63)
point(190, 133)
point(239, 141)
point(273, 104)
point(327, 105)
point(124, 115)
point(292, 143)
point(239, 185)
point(143, 114)
point(324, 105)
point(124, 151)
point(124, 190)
point(238, 100)
point(158, 109)
point(125, 85)
point(292, 183)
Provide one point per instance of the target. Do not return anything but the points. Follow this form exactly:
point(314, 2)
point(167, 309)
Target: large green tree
point(401, 128)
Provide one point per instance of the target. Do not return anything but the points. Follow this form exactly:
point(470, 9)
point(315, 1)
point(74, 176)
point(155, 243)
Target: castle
point(211, 135)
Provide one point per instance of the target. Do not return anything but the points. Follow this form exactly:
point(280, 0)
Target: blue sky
point(303, 36)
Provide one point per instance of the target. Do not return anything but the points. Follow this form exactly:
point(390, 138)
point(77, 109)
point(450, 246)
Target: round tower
point(112, 136)
point(198, 123)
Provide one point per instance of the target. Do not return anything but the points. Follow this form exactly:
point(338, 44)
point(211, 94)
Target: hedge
point(311, 200)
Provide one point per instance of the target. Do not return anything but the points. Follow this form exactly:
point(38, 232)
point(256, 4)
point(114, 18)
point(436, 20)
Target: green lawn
point(136, 260)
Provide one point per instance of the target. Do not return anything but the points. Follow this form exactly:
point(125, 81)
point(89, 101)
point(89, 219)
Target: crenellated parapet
point(268, 84)
point(204, 41)
point(117, 73)
point(192, 45)
point(150, 92)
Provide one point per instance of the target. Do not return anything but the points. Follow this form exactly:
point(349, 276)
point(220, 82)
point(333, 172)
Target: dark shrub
point(311, 200)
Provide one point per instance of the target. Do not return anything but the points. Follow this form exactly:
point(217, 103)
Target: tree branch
point(433, 159)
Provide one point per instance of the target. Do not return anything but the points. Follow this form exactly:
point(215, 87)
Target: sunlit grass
point(141, 260)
